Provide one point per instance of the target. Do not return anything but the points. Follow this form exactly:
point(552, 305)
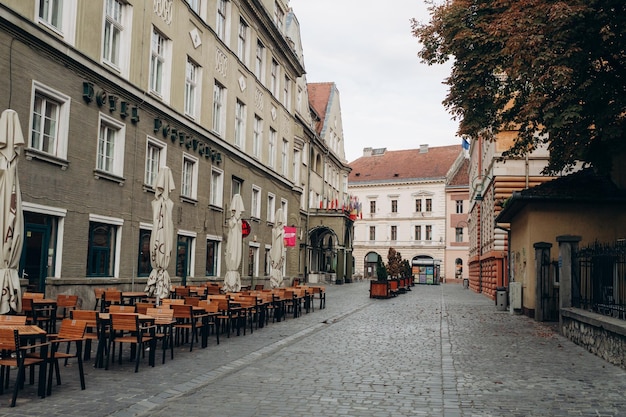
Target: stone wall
point(601, 335)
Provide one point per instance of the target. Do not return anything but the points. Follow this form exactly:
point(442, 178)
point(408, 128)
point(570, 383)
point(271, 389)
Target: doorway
point(35, 257)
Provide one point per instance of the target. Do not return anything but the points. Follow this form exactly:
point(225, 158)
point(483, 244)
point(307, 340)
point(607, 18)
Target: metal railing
point(601, 284)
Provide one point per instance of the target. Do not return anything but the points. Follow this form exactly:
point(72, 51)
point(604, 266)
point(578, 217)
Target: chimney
point(367, 151)
point(424, 148)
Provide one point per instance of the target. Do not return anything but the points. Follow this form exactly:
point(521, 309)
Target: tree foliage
point(381, 270)
point(554, 70)
point(394, 262)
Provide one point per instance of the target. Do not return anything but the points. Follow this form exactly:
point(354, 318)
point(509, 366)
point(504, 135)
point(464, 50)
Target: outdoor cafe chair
point(91, 331)
point(14, 355)
point(188, 324)
point(109, 298)
point(164, 322)
point(66, 303)
point(127, 329)
point(117, 308)
point(142, 307)
point(212, 312)
point(71, 331)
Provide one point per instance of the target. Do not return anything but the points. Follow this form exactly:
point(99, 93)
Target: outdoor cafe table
point(28, 334)
point(133, 296)
point(104, 320)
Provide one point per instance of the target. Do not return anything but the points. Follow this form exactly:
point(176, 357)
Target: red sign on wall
point(245, 228)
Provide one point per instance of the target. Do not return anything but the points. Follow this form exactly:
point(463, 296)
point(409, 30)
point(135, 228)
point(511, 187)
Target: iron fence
point(601, 284)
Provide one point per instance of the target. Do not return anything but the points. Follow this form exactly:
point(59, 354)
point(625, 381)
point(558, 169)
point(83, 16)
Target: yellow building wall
point(544, 222)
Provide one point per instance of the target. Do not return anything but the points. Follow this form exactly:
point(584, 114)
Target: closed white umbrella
point(277, 256)
point(162, 236)
point(11, 216)
point(232, 280)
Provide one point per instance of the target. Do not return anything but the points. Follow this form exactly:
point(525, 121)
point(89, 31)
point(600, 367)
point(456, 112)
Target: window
point(287, 93)
point(49, 122)
point(459, 206)
point(212, 257)
point(285, 158)
point(192, 75)
point(266, 263)
point(113, 29)
point(220, 26)
point(255, 206)
point(103, 246)
point(274, 78)
point(111, 137)
point(240, 124)
point(418, 205)
point(271, 208)
point(144, 266)
point(394, 206)
point(242, 41)
point(219, 101)
point(296, 167)
point(372, 233)
point(458, 234)
point(259, 63)
point(195, 5)
point(217, 187)
point(283, 206)
point(257, 136)
point(394, 233)
point(429, 232)
point(279, 16)
point(189, 180)
point(58, 15)
point(235, 186)
point(372, 206)
point(271, 155)
point(185, 250)
point(155, 159)
point(253, 260)
point(429, 204)
point(418, 232)
point(158, 62)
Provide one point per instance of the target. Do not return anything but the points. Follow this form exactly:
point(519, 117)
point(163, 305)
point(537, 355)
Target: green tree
point(553, 70)
point(381, 270)
point(405, 268)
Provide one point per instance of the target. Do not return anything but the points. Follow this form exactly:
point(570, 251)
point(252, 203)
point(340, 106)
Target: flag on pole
point(466, 145)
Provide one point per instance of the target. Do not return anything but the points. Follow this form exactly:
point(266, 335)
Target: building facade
point(109, 91)
point(404, 202)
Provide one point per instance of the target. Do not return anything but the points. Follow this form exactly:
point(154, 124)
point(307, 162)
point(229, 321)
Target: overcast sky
point(388, 97)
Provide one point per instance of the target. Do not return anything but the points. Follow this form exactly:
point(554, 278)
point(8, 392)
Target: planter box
point(379, 289)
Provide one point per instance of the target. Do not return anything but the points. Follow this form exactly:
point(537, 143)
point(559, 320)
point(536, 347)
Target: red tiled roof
point(461, 176)
point(319, 94)
point(406, 164)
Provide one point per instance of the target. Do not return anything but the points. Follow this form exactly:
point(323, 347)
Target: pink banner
point(290, 236)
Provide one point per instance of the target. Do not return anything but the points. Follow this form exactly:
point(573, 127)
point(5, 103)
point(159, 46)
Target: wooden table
point(133, 296)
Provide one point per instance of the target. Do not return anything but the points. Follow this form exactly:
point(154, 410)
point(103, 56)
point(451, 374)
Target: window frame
point(63, 103)
point(240, 124)
point(114, 251)
point(119, 142)
point(428, 234)
point(221, 22)
point(187, 190)
point(459, 206)
point(259, 61)
point(418, 232)
point(429, 205)
point(271, 208)
point(255, 204)
point(458, 234)
point(271, 151)
point(193, 77)
point(219, 108)
point(257, 136)
point(394, 233)
point(216, 195)
point(284, 156)
point(372, 233)
point(394, 206)
point(243, 35)
point(150, 177)
point(215, 256)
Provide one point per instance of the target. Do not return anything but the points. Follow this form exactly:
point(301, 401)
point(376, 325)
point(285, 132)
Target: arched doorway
point(370, 262)
point(322, 258)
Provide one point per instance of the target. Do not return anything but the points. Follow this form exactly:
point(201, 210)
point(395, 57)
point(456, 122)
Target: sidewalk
point(435, 351)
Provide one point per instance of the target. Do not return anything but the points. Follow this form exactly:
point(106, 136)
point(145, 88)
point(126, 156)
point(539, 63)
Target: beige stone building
point(109, 91)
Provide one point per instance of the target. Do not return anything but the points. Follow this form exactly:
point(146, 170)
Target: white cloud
point(388, 97)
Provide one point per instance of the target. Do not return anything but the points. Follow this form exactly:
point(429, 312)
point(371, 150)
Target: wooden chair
point(90, 317)
point(259, 287)
point(142, 307)
point(126, 328)
point(192, 301)
point(164, 321)
point(14, 356)
point(109, 298)
point(229, 317)
point(12, 320)
point(98, 293)
point(71, 331)
point(117, 308)
point(187, 324)
point(181, 292)
point(212, 312)
point(166, 302)
point(66, 303)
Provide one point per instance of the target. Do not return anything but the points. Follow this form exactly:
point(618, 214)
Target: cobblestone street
point(434, 351)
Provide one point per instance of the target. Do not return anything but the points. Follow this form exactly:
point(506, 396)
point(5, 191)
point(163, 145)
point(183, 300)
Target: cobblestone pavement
point(434, 351)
